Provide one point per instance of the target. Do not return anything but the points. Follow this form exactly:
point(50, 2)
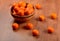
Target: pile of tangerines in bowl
point(22, 11)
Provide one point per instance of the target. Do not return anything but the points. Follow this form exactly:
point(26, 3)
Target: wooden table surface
point(48, 7)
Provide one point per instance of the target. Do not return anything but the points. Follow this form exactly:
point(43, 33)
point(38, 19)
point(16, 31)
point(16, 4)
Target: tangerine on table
point(29, 26)
point(53, 16)
point(50, 30)
point(38, 6)
point(41, 18)
point(35, 32)
point(15, 26)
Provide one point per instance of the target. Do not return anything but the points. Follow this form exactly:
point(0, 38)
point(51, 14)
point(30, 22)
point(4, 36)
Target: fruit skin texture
point(29, 26)
point(35, 32)
point(15, 26)
point(41, 18)
point(50, 30)
point(53, 16)
point(38, 6)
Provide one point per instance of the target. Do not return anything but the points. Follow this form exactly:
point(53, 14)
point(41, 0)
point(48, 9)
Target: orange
point(21, 13)
point(16, 9)
point(53, 16)
point(22, 4)
point(28, 11)
point(41, 18)
point(15, 26)
point(31, 10)
point(35, 32)
point(29, 26)
point(50, 30)
point(38, 6)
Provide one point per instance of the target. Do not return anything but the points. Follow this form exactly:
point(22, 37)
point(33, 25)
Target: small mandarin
point(41, 18)
point(53, 16)
point(22, 4)
point(29, 11)
point(38, 6)
point(16, 9)
point(35, 32)
point(50, 30)
point(15, 26)
point(29, 26)
point(21, 13)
